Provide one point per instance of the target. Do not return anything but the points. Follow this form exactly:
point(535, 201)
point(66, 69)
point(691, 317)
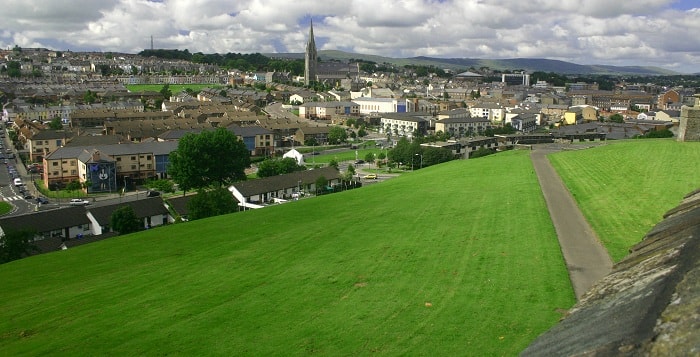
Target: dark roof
point(179, 204)
point(248, 131)
point(648, 305)
point(49, 220)
point(274, 183)
point(142, 208)
point(464, 120)
point(154, 147)
point(51, 134)
point(91, 140)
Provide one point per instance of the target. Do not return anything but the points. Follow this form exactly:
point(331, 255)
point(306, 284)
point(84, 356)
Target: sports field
point(458, 259)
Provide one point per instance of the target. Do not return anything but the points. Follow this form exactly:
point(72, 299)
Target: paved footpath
point(586, 259)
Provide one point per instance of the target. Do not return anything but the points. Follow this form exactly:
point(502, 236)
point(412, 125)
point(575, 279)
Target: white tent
point(295, 155)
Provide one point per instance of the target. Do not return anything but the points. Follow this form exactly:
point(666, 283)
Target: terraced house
point(107, 167)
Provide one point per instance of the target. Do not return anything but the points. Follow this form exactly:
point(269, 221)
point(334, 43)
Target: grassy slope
point(624, 188)
point(343, 274)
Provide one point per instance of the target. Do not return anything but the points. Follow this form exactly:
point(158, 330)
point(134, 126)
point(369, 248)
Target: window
point(119, 159)
point(73, 172)
point(133, 167)
point(148, 157)
point(133, 158)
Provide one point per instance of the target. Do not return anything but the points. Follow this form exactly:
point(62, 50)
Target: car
point(371, 176)
point(152, 194)
point(78, 202)
point(18, 182)
point(28, 196)
point(42, 200)
point(359, 162)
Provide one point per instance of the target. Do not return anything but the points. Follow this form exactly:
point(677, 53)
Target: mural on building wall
point(102, 177)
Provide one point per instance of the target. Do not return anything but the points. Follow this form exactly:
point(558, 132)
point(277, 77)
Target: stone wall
point(648, 306)
point(689, 129)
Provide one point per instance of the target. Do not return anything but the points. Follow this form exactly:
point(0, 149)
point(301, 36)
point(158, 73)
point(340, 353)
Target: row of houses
point(56, 226)
point(69, 226)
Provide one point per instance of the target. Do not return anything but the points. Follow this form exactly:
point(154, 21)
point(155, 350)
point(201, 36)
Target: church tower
point(310, 58)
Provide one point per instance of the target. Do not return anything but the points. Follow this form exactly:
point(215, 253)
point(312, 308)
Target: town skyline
point(646, 33)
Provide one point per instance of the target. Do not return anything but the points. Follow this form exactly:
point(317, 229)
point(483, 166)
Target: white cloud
point(643, 32)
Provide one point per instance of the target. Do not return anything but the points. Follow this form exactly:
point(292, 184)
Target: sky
point(662, 33)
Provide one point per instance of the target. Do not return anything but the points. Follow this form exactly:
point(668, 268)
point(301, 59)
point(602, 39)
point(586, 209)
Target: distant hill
point(462, 64)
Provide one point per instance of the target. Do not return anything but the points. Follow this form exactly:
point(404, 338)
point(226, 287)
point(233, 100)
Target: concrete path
point(586, 259)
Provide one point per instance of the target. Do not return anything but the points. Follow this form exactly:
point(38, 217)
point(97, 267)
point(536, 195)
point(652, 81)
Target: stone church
point(332, 73)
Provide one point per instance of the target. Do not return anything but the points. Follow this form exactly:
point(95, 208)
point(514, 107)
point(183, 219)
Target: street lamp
point(421, 160)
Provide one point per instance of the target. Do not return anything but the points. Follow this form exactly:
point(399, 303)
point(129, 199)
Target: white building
point(384, 105)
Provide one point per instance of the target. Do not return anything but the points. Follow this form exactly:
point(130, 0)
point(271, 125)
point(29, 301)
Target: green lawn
point(5, 208)
point(174, 88)
point(624, 188)
point(345, 155)
point(457, 259)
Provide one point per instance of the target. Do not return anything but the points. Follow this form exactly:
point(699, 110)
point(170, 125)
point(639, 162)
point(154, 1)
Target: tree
point(310, 142)
point(210, 158)
point(362, 132)
point(166, 92)
point(369, 157)
point(333, 163)
point(89, 97)
point(124, 220)
point(56, 124)
point(616, 118)
point(274, 167)
point(73, 186)
point(210, 203)
point(321, 183)
point(337, 135)
point(14, 69)
point(16, 244)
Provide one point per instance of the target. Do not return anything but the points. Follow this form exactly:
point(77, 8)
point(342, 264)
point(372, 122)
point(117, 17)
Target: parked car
point(42, 200)
point(28, 196)
point(371, 176)
point(359, 162)
point(79, 202)
point(152, 194)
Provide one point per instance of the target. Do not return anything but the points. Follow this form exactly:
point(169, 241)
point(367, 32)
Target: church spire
point(310, 57)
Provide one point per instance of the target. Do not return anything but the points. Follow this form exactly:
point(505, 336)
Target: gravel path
point(586, 259)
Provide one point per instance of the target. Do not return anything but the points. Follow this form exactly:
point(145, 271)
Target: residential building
point(404, 124)
point(256, 193)
point(46, 141)
point(108, 167)
point(384, 105)
point(327, 110)
point(463, 126)
point(491, 111)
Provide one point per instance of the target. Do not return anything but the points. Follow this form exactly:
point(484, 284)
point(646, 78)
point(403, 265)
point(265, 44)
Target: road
point(585, 257)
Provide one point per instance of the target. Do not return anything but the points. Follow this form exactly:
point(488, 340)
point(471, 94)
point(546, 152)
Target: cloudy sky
point(660, 33)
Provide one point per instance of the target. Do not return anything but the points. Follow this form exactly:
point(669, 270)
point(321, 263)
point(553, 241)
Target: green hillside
point(456, 259)
point(624, 189)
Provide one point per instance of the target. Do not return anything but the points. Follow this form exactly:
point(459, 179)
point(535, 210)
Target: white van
point(18, 182)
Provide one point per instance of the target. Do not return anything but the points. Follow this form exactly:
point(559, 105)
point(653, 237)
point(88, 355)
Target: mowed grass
point(458, 259)
point(174, 88)
point(624, 188)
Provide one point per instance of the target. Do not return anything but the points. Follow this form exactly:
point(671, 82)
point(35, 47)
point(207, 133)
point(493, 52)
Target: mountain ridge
point(465, 64)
